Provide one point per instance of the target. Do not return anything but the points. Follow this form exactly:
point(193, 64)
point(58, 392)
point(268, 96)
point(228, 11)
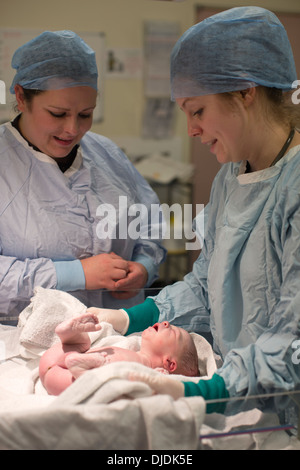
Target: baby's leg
point(79, 363)
point(52, 369)
point(57, 379)
point(75, 330)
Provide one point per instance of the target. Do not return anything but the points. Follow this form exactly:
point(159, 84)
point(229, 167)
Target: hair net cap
point(230, 51)
point(55, 60)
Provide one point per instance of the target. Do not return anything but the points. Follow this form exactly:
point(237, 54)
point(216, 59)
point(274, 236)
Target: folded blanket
point(164, 423)
point(106, 384)
point(9, 342)
point(206, 358)
point(147, 422)
point(47, 308)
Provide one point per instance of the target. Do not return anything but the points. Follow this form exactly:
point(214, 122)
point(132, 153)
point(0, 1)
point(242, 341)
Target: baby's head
point(173, 346)
point(188, 358)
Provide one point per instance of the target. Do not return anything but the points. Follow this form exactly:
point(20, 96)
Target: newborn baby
point(163, 346)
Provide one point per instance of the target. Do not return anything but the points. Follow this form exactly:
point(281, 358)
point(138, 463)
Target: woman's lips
point(211, 144)
point(63, 142)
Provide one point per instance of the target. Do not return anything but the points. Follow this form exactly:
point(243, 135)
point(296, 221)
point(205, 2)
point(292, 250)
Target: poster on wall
point(159, 40)
point(12, 38)
point(124, 63)
point(159, 113)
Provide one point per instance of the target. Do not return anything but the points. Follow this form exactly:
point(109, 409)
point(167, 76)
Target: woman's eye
point(61, 115)
point(57, 115)
point(198, 112)
point(85, 116)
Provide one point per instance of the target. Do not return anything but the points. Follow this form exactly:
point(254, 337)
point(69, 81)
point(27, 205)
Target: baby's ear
point(170, 364)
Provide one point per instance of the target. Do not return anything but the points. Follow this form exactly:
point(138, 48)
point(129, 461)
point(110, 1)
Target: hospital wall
point(122, 22)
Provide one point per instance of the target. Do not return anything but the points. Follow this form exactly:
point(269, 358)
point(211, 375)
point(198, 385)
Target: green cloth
point(211, 389)
point(142, 315)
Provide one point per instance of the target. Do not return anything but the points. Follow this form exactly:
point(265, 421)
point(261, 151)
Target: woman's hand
point(109, 271)
point(117, 318)
point(104, 270)
point(130, 285)
point(160, 384)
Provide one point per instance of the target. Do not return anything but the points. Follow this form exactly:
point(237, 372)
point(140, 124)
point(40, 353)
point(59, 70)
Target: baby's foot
point(79, 363)
point(84, 323)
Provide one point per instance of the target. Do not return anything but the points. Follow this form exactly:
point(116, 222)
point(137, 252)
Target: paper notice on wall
point(159, 39)
point(124, 63)
point(158, 119)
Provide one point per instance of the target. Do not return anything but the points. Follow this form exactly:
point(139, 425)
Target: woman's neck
point(269, 143)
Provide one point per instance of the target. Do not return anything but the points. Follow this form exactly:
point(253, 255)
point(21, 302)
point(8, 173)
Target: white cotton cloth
point(47, 308)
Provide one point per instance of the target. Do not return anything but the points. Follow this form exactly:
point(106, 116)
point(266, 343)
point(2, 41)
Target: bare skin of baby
point(64, 362)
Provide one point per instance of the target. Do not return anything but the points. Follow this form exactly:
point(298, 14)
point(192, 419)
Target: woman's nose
point(166, 324)
point(194, 130)
point(71, 126)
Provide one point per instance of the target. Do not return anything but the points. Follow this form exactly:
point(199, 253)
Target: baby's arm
point(79, 363)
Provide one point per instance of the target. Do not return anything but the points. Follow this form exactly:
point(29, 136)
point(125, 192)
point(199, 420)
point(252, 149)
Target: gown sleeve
point(19, 278)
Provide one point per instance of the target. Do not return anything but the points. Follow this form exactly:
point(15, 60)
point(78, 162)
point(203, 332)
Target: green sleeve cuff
point(212, 389)
point(142, 315)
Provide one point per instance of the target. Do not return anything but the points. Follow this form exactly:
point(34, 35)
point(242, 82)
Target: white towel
point(47, 308)
point(206, 358)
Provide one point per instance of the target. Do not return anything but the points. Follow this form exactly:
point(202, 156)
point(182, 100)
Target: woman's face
point(56, 120)
point(219, 124)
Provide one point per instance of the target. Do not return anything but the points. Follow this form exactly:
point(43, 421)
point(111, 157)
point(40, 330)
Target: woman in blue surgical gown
point(65, 191)
point(233, 76)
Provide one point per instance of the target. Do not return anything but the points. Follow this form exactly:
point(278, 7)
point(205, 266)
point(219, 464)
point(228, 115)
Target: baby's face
point(163, 338)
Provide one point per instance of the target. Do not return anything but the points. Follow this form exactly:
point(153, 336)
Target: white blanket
point(102, 409)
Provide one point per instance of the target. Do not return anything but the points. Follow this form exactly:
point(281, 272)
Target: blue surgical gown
point(245, 285)
point(48, 217)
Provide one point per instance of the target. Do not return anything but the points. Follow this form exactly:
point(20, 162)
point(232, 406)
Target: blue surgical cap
point(54, 60)
point(233, 50)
